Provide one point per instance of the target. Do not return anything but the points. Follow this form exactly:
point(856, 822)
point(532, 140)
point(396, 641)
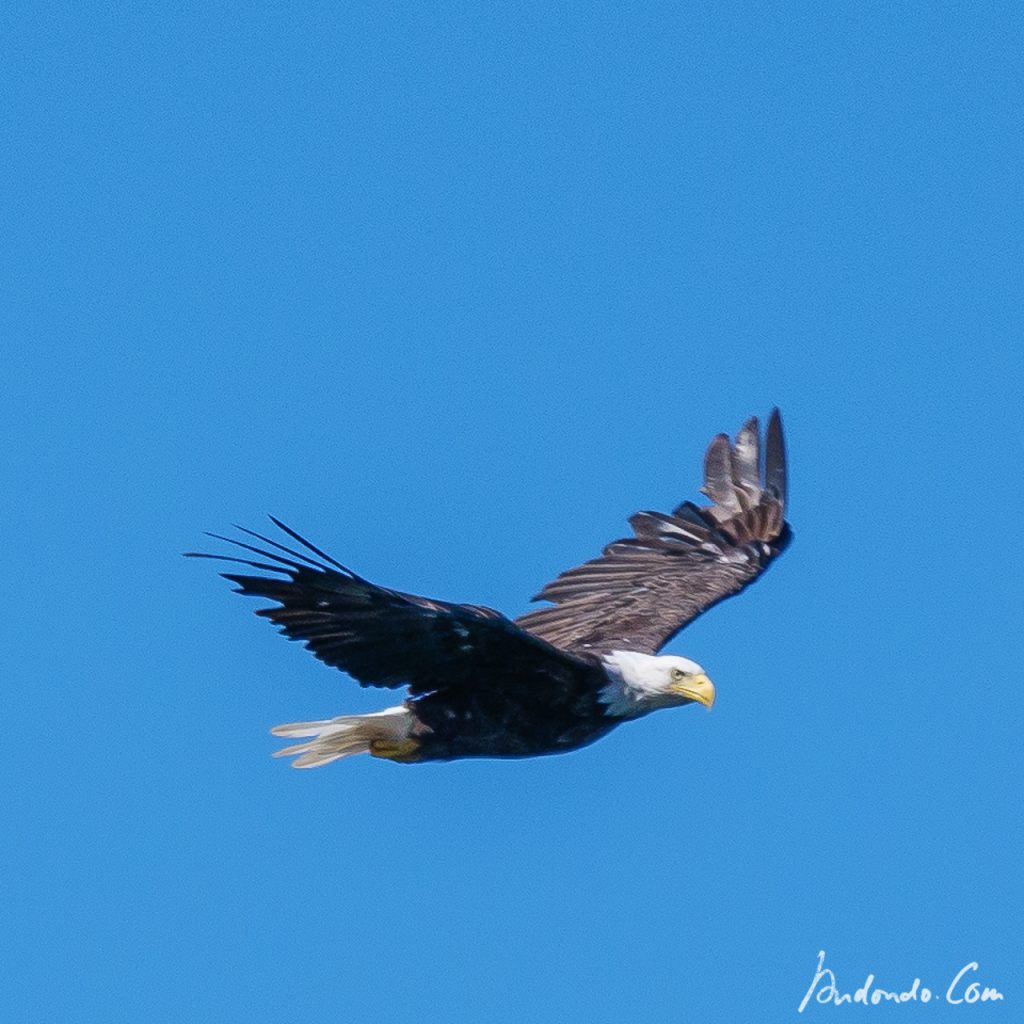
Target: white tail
point(335, 738)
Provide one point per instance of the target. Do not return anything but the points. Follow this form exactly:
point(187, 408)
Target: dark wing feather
point(383, 637)
point(645, 588)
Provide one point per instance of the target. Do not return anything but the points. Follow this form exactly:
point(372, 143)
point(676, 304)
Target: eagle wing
point(382, 637)
point(644, 589)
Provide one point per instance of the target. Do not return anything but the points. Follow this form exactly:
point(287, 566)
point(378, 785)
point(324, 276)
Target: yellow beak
point(697, 687)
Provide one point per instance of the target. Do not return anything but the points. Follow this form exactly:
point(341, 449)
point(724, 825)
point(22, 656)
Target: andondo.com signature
point(962, 990)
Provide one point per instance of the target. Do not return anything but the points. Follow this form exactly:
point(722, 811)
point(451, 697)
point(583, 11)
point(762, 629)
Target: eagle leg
point(396, 750)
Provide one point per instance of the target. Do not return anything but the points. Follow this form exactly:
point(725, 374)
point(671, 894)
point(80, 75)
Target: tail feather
point(334, 738)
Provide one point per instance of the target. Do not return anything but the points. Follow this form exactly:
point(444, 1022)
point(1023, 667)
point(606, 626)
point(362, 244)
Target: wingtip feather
point(312, 547)
point(775, 457)
point(718, 485)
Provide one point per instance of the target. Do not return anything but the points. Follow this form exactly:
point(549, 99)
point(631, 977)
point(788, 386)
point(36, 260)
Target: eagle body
point(546, 712)
point(556, 679)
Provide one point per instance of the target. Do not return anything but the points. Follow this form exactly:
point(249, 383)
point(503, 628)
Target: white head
point(639, 683)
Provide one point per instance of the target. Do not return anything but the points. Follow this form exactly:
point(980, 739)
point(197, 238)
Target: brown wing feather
point(645, 588)
point(383, 637)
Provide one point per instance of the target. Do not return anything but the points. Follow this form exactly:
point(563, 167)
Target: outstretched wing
point(645, 588)
point(382, 637)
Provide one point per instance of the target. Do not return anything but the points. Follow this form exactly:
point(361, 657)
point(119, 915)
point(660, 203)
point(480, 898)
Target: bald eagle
point(555, 679)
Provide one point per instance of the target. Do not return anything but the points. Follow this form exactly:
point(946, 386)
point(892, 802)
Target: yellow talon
point(405, 750)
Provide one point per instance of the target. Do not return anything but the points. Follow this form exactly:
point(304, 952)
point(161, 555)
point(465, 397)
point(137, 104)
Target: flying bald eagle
point(555, 679)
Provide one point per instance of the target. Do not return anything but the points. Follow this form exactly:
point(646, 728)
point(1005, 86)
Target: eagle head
point(639, 683)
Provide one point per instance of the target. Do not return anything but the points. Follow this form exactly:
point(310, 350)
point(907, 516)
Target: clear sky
point(454, 289)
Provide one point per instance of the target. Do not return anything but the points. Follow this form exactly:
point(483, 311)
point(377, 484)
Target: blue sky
point(454, 289)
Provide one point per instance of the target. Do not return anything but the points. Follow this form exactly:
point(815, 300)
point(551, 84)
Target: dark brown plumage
point(644, 589)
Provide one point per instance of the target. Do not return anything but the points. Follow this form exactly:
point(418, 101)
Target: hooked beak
point(696, 687)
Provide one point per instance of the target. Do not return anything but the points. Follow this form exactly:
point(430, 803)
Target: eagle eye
point(677, 674)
